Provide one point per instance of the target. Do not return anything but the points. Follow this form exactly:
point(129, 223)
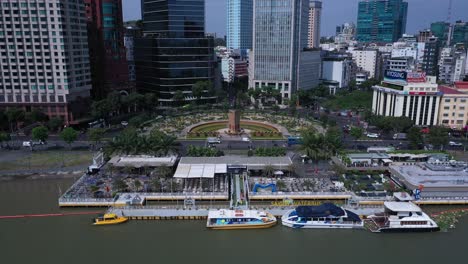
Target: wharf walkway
point(201, 212)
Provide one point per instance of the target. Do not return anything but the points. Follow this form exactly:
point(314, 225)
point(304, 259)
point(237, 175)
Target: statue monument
point(234, 122)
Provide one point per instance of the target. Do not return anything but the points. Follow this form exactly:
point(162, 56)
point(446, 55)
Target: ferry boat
point(239, 219)
point(326, 215)
point(109, 219)
point(401, 217)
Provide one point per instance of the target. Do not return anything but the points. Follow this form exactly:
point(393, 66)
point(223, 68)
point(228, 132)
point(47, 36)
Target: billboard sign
point(416, 77)
point(395, 76)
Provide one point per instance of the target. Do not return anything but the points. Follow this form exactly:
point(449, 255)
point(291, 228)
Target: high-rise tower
point(315, 16)
point(239, 25)
point(381, 20)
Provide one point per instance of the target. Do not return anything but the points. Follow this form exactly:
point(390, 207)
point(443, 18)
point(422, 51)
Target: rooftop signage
point(416, 77)
point(395, 76)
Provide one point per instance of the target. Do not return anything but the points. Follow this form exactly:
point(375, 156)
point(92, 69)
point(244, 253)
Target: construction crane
point(449, 14)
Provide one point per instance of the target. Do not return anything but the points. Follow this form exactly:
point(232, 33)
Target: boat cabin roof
point(402, 207)
point(223, 213)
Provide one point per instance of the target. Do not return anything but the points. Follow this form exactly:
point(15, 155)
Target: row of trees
point(12, 117)
point(194, 151)
point(130, 142)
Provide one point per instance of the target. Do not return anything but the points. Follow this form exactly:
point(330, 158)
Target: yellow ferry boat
point(110, 219)
point(239, 219)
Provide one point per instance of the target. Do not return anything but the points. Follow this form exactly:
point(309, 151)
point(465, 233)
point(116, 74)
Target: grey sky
point(335, 12)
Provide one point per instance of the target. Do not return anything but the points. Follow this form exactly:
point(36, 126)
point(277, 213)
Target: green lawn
point(353, 100)
point(49, 160)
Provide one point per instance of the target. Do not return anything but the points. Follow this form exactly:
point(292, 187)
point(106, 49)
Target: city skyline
point(429, 11)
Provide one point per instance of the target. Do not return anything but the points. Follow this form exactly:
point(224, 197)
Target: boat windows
point(413, 223)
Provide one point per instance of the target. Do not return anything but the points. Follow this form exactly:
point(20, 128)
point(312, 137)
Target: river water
point(72, 239)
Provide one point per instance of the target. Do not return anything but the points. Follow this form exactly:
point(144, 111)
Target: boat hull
point(408, 230)
point(241, 226)
point(112, 222)
point(320, 226)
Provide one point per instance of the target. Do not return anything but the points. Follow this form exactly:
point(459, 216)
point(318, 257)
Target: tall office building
point(460, 33)
point(44, 58)
point(174, 53)
point(430, 56)
point(280, 56)
point(239, 25)
point(315, 16)
point(441, 30)
point(109, 70)
point(381, 20)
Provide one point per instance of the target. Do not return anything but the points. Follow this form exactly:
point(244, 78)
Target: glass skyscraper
point(279, 44)
point(174, 53)
point(239, 25)
point(381, 20)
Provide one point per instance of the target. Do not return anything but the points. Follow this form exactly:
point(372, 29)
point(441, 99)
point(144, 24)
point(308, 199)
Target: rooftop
point(140, 161)
point(402, 207)
point(420, 174)
point(448, 90)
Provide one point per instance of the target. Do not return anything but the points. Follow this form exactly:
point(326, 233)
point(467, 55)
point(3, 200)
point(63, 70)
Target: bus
point(294, 140)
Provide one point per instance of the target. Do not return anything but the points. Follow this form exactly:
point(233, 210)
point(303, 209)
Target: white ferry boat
point(401, 217)
point(326, 215)
point(239, 219)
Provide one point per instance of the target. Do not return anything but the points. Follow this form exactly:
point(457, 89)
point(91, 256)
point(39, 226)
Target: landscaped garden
point(255, 129)
point(177, 125)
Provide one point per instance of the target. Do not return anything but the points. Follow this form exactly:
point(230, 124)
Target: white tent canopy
point(191, 171)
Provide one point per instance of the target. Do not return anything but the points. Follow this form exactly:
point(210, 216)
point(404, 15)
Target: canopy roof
point(207, 167)
point(324, 210)
point(402, 207)
point(139, 161)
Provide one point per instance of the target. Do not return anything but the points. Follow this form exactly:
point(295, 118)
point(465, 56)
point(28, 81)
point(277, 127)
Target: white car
point(455, 144)
point(372, 135)
point(124, 123)
point(27, 143)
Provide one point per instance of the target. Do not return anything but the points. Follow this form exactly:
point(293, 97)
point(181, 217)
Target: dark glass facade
point(381, 20)
point(174, 53)
point(460, 33)
point(441, 31)
point(431, 55)
point(109, 68)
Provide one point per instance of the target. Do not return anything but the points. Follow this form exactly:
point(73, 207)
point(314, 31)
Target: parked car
point(213, 140)
point(373, 135)
point(399, 136)
point(455, 144)
point(27, 143)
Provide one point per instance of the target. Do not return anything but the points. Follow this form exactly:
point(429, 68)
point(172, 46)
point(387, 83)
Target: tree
point(179, 95)
point(128, 142)
point(164, 171)
point(415, 137)
point(162, 144)
point(333, 136)
point(316, 146)
point(69, 135)
point(96, 134)
point(14, 115)
point(268, 170)
point(438, 136)
point(55, 124)
point(101, 109)
point(4, 137)
point(40, 133)
point(35, 116)
point(201, 87)
point(356, 132)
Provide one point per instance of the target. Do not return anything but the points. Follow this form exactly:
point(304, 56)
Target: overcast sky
point(335, 12)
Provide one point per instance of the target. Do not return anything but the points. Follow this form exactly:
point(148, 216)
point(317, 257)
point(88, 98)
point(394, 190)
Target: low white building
point(413, 95)
point(337, 67)
point(367, 60)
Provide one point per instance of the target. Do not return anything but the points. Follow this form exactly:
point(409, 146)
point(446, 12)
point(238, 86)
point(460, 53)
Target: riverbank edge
point(10, 176)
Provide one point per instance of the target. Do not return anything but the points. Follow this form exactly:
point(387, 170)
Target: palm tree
point(161, 144)
point(292, 169)
point(316, 146)
point(268, 170)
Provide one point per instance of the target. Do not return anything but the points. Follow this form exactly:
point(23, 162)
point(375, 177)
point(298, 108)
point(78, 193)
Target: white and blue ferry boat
point(326, 215)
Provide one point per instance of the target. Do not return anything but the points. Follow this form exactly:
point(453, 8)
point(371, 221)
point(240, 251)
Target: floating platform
point(180, 213)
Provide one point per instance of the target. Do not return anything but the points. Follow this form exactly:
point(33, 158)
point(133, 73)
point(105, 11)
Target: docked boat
point(401, 217)
point(109, 219)
point(326, 215)
point(239, 219)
